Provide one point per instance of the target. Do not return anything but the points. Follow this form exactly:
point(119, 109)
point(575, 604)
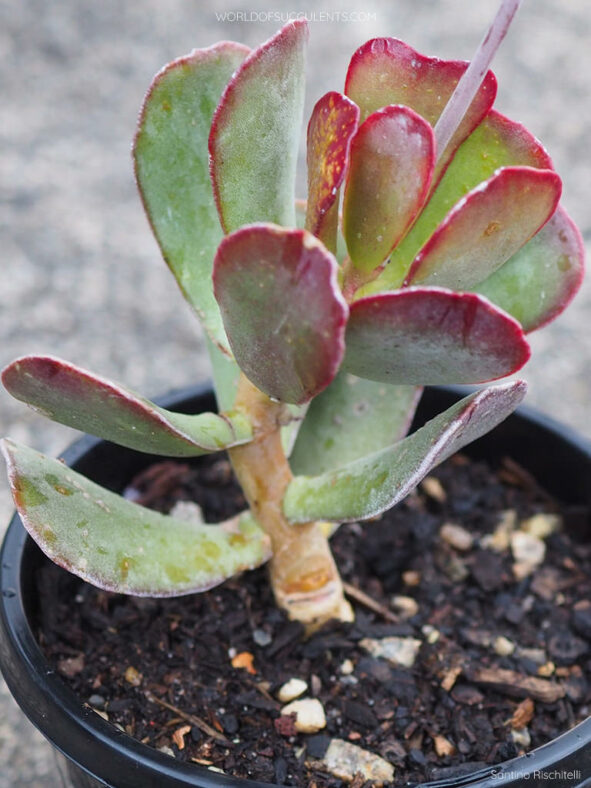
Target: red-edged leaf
point(391, 166)
point(255, 133)
point(87, 402)
point(334, 120)
point(428, 335)
point(370, 485)
point(497, 142)
point(117, 544)
point(282, 309)
point(387, 71)
point(172, 170)
point(538, 282)
point(486, 228)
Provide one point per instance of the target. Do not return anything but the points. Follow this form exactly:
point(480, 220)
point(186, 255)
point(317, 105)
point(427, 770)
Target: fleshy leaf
point(172, 170)
point(333, 122)
point(497, 142)
point(118, 545)
point(353, 417)
point(87, 402)
point(486, 228)
point(428, 335)
point(282, 309)
point(538, 282)
point(370, 485)
point(256, 131)
point(387, 71)
point(390, 170)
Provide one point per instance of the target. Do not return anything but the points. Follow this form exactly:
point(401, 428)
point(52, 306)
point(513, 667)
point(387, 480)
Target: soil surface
point(505, 648)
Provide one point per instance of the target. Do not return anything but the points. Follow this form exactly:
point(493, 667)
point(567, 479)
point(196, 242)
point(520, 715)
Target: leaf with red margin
point(371, 485)
point(486, 228)
point(333, 122)
point(282, 309)
point(387, 71)
point(390, 171)
point(172, 170)
point(497, 142)
point(87, 402)
point(118, 545)
point(428, 335)
point(538, 282)
point(255, 133)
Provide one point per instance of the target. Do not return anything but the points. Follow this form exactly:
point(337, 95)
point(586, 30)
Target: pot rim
point(67, 722)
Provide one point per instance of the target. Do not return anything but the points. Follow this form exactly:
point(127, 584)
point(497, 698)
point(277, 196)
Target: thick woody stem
point(304, 576)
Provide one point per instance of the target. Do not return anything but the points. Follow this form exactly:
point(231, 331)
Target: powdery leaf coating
point(390, 171)
point(87, 402)
point(497, 142)
point(538, 282)
point(486, 228)
point(351, 418)
point(282, 309)
point(368, 486)
point(255, 133)
point(387, 71)
point(333, 123)
point(429, 335)
point(172, 170)
point(118, 545)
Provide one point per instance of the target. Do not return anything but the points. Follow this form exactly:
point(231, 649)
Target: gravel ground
point(83, 278)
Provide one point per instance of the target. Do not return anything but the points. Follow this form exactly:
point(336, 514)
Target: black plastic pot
point(98, 754)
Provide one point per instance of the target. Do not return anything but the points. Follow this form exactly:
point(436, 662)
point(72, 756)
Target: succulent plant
point(321, 329)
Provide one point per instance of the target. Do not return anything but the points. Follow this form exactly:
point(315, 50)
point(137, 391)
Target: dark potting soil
point(502, 667)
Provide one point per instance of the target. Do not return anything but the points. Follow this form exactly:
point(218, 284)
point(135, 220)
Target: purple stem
point(467, 87)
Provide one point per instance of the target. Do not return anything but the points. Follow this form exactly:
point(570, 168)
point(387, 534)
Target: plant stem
point(467, 87)
point(304, 576)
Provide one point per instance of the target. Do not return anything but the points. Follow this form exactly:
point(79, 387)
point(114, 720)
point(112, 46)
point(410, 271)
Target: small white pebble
point(456, 536)
point(411, 578)
point(166, 750)
point(397, 651)
point(347, 668)
point(499, 540)
point(432, 487)
point(542, 525)
point(527, 549)
point(521, 737)
point(431, 633)
point(406, 606)
point(503, 646)
point(346, 761)
point(291, 690)
point(310, 717)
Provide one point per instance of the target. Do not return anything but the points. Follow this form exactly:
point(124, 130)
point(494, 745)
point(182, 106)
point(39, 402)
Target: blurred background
point(82, 277)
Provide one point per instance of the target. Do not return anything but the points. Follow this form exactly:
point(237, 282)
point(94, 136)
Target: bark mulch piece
point(162, 669)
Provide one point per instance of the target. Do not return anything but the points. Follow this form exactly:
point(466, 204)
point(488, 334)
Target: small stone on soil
point(528, 551)
point(310, 717)
point(456, 536)
point(405, 606)
point(291, 690)
point(345, 760)
point(432, 487)
point(542, 525)
point(503, 646)
point(396, 650)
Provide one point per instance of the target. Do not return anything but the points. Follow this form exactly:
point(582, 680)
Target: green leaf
point(87, 402)
point(497, 142)
point(282, 309)
point(256, 131)
point(428, 335)
point(486, 228)
point(172, 170)
point(370, 485)
point(538, 282)
point(390, 171)
point(120, 546)
point(333, 123)
point(387, 71)
point(353, 417)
